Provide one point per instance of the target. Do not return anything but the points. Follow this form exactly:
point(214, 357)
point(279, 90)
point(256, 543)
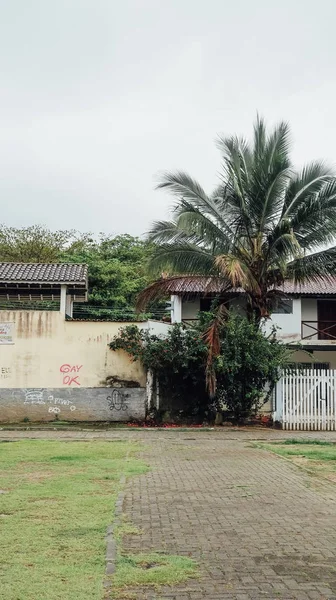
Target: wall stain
point(39, 325)
point(115, 381)
point(20, 325)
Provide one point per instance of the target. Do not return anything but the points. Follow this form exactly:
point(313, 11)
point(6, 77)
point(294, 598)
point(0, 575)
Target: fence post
point(278, 407)
point(149, 388)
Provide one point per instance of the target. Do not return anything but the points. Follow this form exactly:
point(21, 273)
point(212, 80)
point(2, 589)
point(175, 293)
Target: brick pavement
point(259, 526)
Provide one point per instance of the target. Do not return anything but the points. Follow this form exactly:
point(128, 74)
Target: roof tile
point(43, 273)
point(209, 285)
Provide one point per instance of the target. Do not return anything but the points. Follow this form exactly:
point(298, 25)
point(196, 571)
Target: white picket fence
point(306, 400)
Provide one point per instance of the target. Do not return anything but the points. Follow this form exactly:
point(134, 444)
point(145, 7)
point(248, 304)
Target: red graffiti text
point(70, 379)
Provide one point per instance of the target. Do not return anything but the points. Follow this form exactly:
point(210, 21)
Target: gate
point(306, 400)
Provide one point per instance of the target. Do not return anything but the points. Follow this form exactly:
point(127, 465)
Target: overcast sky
point(99, 96)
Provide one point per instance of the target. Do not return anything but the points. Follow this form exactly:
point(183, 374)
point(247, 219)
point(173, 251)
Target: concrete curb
point(111, 544)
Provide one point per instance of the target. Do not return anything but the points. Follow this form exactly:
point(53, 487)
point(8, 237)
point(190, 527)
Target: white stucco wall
point(289, 325)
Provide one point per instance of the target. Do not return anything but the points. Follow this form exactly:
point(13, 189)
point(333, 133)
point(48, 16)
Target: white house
point(306, 314)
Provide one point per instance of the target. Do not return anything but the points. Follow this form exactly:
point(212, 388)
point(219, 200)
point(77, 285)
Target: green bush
point(177, 361)
point(246, 369)
point(248, 366)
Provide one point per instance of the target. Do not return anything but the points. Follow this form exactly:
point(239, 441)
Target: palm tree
point(264, 223)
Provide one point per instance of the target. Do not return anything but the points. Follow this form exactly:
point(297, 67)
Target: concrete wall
point(49, 353)
point(70, 404)
point(316, 356)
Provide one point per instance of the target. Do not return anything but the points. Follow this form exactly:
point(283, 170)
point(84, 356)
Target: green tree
point(264, 223)
point(118, 271)
point(34, 244)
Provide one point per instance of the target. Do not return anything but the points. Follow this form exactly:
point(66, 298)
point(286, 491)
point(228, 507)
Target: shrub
point(246, 368)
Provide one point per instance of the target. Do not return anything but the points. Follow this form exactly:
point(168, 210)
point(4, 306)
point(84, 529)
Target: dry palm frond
point(212, 340)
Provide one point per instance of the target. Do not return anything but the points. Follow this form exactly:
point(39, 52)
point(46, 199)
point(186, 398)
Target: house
point(306, 314)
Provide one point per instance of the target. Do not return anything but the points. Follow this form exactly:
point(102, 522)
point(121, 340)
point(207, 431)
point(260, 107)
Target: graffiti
point(61, 401)
point(117, 400)
point(5, 372)
point(6, 333)
point(34, 396)
point(70, 379)
point(70, 369)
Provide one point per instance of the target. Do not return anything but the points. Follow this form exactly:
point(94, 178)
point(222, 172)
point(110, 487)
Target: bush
point(177, 362)
point(248, 364)
point(248, 367)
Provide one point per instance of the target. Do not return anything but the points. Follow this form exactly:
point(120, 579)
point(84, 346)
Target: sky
point(97, 97)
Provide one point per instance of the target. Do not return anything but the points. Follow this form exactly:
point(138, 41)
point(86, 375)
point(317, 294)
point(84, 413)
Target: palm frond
point(314, 221)
point(182, 258)
point(315, 267)
point(168, 232)
point(237, 272)
point(194, 222)
point(187, 189)
point(303, 185)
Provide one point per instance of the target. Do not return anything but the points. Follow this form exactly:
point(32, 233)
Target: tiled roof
point(207, 285)
point(321, 286)
point(43, 273)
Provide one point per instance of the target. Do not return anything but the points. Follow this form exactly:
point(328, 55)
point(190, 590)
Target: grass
point(147, 569)
point(317, 457)
point(152, 569)
point(57, 499)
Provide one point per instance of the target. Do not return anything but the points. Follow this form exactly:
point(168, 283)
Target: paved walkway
point(259, 526)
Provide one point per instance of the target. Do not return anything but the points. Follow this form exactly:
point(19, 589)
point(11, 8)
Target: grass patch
point(295, 442)
point(318, 458)
point(56, 503)
point(152, 569)
point(147, 569)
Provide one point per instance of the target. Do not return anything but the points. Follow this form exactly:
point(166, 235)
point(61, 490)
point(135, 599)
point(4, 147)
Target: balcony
point(318, 330)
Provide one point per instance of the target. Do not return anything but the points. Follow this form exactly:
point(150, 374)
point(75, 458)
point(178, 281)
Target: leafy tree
point(118, 271)
point(34, 244)
point(265, 222)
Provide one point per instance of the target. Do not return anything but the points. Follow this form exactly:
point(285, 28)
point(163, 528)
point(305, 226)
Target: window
point(283, 306)
point(205, 304)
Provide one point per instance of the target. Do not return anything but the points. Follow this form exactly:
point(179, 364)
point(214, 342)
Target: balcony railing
point(318, 330)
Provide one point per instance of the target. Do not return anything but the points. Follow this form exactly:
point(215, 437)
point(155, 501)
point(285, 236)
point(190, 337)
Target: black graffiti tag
point(117, 400)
